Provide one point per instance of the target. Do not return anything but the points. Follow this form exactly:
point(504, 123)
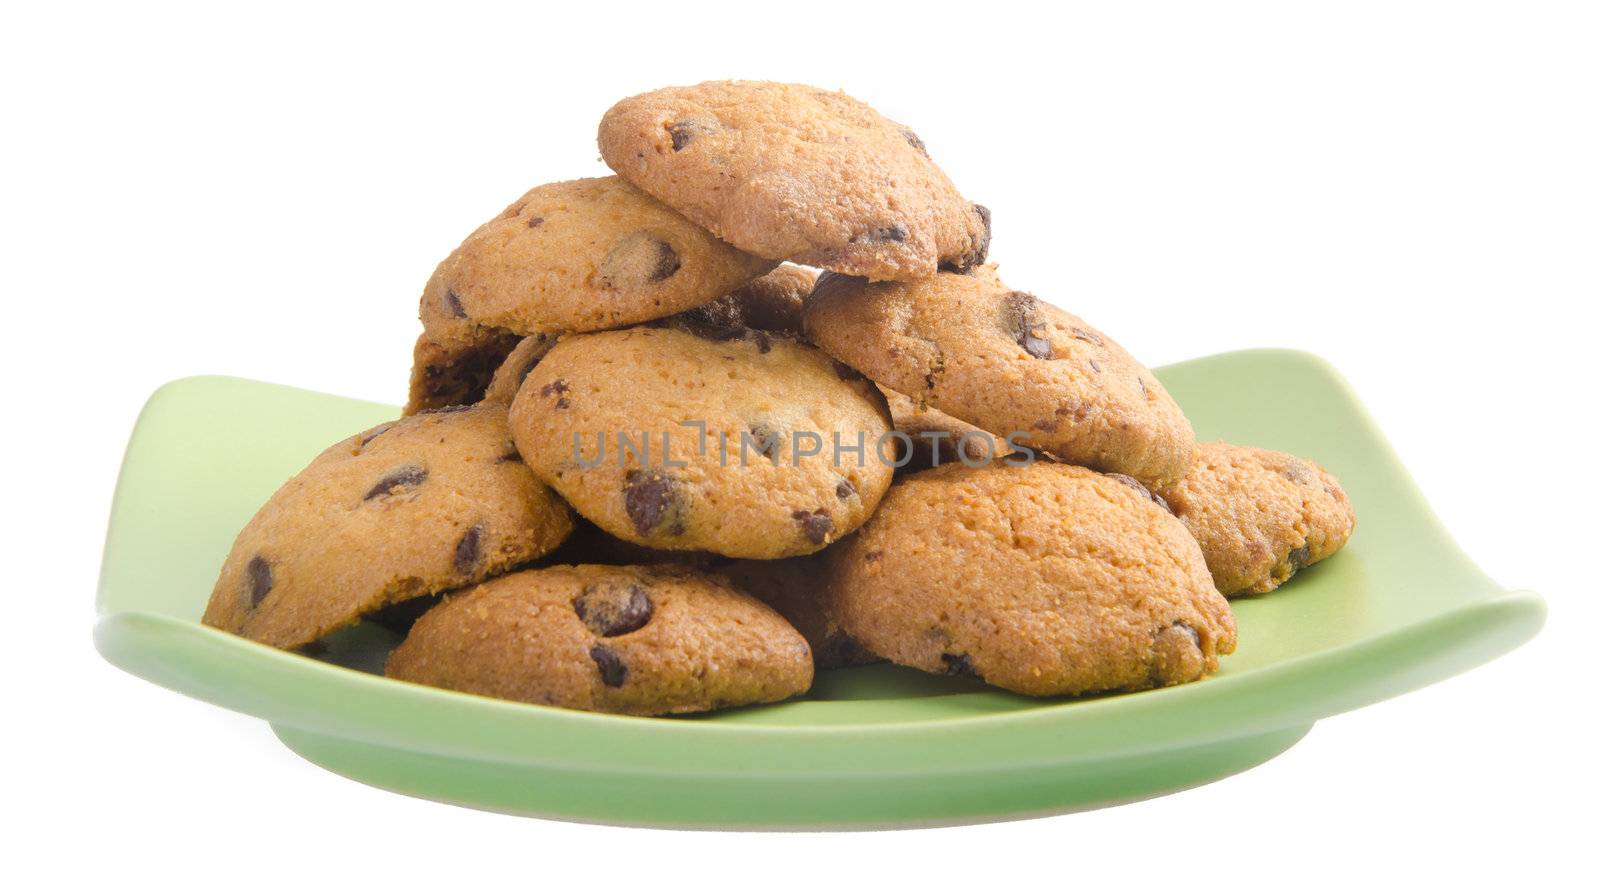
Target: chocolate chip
point(816, 524)
point(374, 433)
point(892, 232)
point(915, 141)
point(1137, 485)
point(1299, 557)
point(1036, 346)
point(638, 259)
point(613, 611)
point(685, 131)
point(844, 490)
point(959, 665)
point(409, 475)
point(259, 573)
point(1180, 626)
point(988, 227)
point(980, 245)
point(872, 555)
point(1087, 336)
point(681, 136)
point(653, 502)
point(558, 388)
point(535, 221)
point(613, 672)
point(765, 440)
point(1176, 655)
point(511, 455)
point(666, 262)
point(452, 301)
point(762, 341)
point(469, 549)
point(1019, 313)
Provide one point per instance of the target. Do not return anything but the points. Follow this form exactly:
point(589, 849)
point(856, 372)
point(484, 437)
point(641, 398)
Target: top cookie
point(1007, 363)
point(788, 171)
point(589, 254)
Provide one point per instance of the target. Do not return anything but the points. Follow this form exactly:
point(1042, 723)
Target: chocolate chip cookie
point(428, 503)
point(1044, 579)
point(1008, 363)
point(1259, 515)
point(734, 441)
point(793, 172)
point(589, 254)
point(634, 640)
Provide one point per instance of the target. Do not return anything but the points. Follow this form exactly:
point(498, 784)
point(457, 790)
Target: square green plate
point(1401, 607)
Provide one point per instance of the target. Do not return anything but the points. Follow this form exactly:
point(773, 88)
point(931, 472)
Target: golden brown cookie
point(793, 172)
point(458, 373)
point(772, 302)
point(1259, 515)
point(428, 503)
point(722, 442)
point(797, 589)
point(1044, 579)
point(589, 254)
point(636, 640)
point(1008, 363)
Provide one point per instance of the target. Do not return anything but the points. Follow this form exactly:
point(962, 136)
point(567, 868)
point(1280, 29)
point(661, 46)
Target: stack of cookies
point(652, 463)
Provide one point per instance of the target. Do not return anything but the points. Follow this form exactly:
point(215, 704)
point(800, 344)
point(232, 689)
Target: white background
point(1410, 190)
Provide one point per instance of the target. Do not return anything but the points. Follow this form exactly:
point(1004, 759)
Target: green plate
point(1401, 607)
